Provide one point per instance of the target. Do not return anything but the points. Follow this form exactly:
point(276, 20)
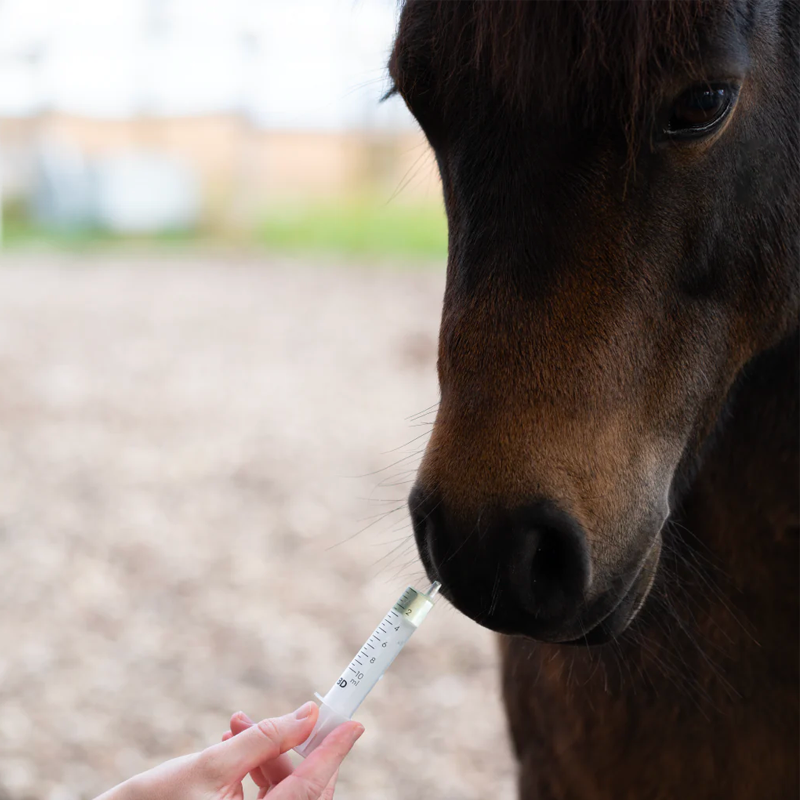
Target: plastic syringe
point(372, 660)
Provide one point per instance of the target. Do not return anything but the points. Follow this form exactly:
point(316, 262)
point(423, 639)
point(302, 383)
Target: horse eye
point(699, 110)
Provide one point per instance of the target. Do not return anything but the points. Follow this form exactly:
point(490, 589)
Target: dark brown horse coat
point(699, 698)
point(612, 480)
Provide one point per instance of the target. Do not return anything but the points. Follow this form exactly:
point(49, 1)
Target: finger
point(262, 793)
point(240, 720)
point(312, 777)
point(330, 788)
point(270, 773)
point(260, 743)
point(277, 770)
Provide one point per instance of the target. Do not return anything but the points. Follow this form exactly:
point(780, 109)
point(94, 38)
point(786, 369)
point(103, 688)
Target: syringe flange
point(326, 722)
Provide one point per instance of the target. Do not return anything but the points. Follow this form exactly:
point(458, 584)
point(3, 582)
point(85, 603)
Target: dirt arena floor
point(195, 457)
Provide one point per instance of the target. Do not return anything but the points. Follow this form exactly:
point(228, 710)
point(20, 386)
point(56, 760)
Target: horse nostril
point(522, 569)
point(550, 568)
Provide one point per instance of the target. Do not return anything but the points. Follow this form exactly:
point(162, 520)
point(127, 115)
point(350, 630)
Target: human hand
point(270, 774)
point(217, 772)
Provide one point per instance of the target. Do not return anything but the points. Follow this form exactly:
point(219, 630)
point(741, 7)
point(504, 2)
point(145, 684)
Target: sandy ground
point(180, 442)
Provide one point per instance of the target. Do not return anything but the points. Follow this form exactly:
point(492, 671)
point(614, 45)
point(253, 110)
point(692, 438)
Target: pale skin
point(258, 749)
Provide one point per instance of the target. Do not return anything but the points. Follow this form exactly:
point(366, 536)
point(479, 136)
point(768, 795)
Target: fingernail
point(357, 733)
point(304, 712)
point(246, 718)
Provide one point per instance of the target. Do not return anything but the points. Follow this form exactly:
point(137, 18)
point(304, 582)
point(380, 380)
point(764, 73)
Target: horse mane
point(601, 56)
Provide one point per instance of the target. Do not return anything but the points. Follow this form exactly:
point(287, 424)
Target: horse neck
point(744, 504)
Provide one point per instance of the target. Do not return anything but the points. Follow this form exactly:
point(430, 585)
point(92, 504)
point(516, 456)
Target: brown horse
point(612, 478)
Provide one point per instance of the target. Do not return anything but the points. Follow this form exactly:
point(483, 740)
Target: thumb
point(313, 779)
point(233, 759)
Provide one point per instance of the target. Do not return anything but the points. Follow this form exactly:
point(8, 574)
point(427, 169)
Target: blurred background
point(221, 268)
point(252, 122)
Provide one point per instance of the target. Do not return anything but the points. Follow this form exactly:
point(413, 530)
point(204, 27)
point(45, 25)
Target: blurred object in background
point(59, 193)
point(130, 193)
point(140, 192)
point(250, 122)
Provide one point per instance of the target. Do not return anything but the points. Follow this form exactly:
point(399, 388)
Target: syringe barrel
point(367, 668)
point(378, 652)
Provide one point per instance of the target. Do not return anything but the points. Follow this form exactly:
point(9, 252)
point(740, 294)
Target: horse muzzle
point(529, 570)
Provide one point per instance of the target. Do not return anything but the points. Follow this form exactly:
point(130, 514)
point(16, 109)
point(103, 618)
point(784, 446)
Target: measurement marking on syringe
point(346, 695)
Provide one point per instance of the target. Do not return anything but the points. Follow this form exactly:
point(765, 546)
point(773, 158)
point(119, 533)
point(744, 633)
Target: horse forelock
point(576, 60)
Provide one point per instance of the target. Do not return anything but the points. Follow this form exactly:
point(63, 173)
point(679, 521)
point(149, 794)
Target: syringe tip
point(433, 589)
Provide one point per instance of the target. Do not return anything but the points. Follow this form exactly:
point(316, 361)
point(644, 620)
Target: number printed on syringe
point(382, 647)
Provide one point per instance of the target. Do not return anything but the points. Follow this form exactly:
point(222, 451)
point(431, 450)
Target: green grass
point(359, 228)
point(21, 232)
point(351, 228)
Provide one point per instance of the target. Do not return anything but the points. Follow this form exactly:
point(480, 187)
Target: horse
point(611, 480)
